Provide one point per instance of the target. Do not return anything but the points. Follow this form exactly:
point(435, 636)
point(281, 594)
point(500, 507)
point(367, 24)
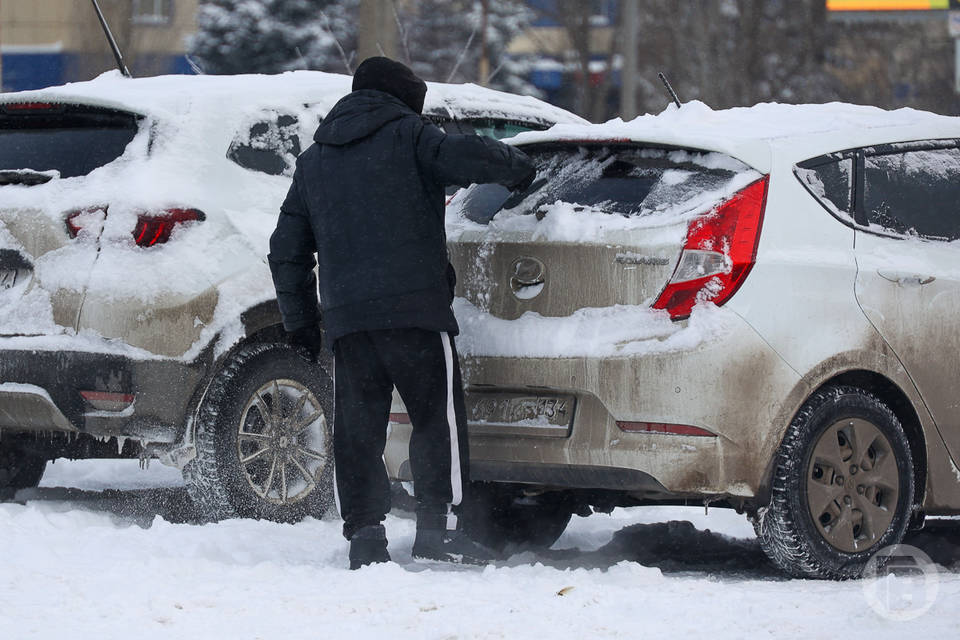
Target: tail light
point(74, 226)
point(152, 227)
point(720, 250)
point(155, 228)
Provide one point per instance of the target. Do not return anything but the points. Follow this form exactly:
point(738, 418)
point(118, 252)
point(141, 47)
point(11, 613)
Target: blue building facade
point(24, 70)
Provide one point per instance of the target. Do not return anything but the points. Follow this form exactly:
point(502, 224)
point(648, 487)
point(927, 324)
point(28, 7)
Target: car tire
point(842, 486)
point(259, 458)
point(499, 516)
point(19, 469)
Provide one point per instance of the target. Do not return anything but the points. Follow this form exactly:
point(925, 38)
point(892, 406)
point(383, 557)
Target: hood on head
point(359, 114)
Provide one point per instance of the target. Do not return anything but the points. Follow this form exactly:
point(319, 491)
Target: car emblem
point(527, 278)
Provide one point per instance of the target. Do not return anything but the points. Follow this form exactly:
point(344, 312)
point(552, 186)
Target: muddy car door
point(50, 221)
point(908, 258)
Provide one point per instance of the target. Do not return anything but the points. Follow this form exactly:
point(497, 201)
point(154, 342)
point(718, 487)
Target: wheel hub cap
point(852, 512)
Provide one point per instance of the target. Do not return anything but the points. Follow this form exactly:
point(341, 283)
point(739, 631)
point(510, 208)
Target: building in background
point(574, 53)
point(726, 53)
point(49, 42)
point(571, 46)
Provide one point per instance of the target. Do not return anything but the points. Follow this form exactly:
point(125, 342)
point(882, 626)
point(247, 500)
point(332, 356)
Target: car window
point(71, 139)
point(830, 182)
point(499, 129)
point(270, 145)
point(490, 127)
point(914, 192)
point(618, 181)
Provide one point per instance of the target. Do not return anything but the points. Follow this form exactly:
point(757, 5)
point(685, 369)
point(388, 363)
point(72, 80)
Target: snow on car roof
point(753, 134)
point(173, 95)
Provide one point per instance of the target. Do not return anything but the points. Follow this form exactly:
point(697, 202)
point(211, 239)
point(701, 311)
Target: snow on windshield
point(587, 194)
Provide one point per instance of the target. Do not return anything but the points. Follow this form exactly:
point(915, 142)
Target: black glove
point(307, 342)
point(524, 183)
point(451, 280)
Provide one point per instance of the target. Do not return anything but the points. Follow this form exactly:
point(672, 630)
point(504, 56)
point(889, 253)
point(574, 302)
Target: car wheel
point(263, 438)
point(18, 469)
point(500, 515)
point(842, 486)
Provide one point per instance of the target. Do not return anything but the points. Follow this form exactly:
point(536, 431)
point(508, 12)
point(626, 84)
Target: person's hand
point(524, 183)
point(307, 342)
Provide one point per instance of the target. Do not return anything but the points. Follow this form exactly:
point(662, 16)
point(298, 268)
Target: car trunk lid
point(602, 225)
point(48, 242)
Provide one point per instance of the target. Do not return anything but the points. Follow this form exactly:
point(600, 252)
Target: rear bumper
point(734, 386)
point(40, 391)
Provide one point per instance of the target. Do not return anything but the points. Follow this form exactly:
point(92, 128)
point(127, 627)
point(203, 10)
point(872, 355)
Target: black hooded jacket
point(368, 200)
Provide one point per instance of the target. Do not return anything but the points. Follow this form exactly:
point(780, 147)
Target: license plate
point(520, 414)
point(8, 278)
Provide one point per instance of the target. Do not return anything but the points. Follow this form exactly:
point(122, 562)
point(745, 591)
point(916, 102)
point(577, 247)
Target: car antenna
point(113, 43)
point(666, 83)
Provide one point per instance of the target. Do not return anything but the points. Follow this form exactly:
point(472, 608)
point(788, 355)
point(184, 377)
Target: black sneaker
point(368, 546)
point(450, 546)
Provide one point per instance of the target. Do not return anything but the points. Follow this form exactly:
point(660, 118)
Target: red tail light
point(155, 228)
point(720, 250)
point(73, 226)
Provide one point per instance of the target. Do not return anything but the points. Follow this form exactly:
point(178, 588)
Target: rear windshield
point(490, 127)
point(625, 181)
point(270, 145)
point(70, 139)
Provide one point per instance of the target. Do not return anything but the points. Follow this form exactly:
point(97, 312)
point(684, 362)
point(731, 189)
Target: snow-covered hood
point(755, 134)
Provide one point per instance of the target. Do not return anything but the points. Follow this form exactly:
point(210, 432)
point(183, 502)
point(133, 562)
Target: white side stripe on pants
point(456, 487)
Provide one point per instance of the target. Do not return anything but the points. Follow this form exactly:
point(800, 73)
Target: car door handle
point(902, 277)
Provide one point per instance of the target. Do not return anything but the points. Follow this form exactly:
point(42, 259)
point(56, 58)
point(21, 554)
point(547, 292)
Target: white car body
point(828, 301)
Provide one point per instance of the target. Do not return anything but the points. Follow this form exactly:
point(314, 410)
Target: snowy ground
point(101, 550)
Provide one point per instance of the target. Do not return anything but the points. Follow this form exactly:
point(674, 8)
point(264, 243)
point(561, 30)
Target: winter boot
point(450, 546)
point(368, 546)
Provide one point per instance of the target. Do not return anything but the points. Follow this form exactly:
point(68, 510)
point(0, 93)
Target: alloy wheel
point(283, 444)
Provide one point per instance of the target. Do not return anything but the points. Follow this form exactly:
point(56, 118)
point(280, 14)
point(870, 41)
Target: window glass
point(830, 183)
point(914, 192)
point(71, 140)
point(151, 12)
point(499, 129)
point(270, 145)
point(490, 127)
point(627, 182)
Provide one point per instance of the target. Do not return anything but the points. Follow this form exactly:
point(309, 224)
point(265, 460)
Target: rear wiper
point(27, 177)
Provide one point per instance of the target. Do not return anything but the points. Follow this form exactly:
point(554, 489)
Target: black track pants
point(424, 368)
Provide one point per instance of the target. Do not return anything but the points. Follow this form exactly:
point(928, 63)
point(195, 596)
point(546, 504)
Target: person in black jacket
point(368, 201)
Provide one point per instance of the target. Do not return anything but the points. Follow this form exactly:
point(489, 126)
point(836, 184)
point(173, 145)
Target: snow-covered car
point(756, 308)
point(137, 312)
